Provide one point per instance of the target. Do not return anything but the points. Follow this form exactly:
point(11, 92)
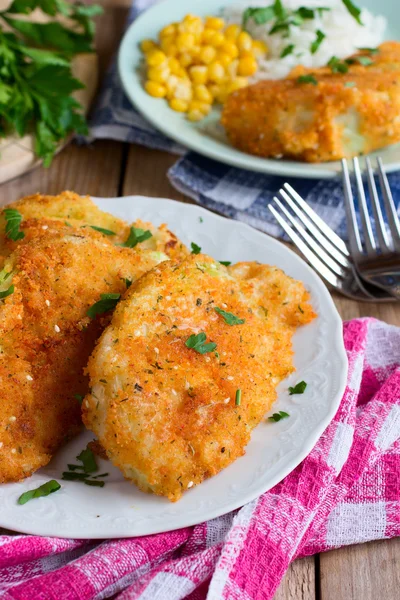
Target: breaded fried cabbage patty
point(188, 367)
point(46, 336)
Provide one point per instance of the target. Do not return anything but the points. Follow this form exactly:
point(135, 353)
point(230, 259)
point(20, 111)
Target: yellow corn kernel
point(157, 90)
point(158, 74)
point(198, 74)
point(204, 107)
point(232, 69)
point(155, 58)
point(171, 84)
point(259, 48)
point(202, 93)
point(183, 90)
point(174, 65)
point(167, 31)
point(216, 72)
point(217, 39)
point(147, 46)
point(168, 46)
point(207, 54)
point(185, 59)
point(195, 115)
point(207, 35)
point(230, 48)
point(221, 94)
point(214, 23)
point(185, 41)
point(178, 105)
point(237, 84)
point(232, 32)
point(191, 24)
point(244, 42)
point(224, 59)
point(247, 66)
point(183, 74)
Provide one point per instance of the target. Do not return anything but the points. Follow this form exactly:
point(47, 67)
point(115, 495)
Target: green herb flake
point(365, 61)
point(353, 10)
point(349, 84)
point(75, 467)
point(107, 302)
point(195, 248)
point(226, 263)
point(260, 15)
point(13, 221)
point(137, 236)
point(102, 230)
point(201, 219)
point(228, 317)
point(307, 79)
point(287, 50)
point(74, 476)
point(44, 490)
point(128, 282)
point(79, 397)
point(238, 397)
point(371, 51)
point(196, 342)
point(278, 416)
point(7, 292)
point(88, 459)
point(93, 483)
point(320, 36)
point(299, 388)
point(337, 66)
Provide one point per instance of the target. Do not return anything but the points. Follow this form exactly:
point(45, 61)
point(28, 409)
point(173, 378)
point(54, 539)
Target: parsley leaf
point(349, 84)
point(228, 317)
point(93, 483)
point(369, 50)
point(278, 416)
point(337, 66)
point(107, 302)
point(307, 79)
point(366, 61)
point(226, 263)
point(287, 50)
point(7, 292)
point(299, 388)
point(353, 10)
point(13, 221)
point(43, 490)
point(259, 15)
point(196, 342)
point(88, 459)
point(136, 236)
point(238, 397)
point(102, 230)
point(195, 248)
point(318, 41)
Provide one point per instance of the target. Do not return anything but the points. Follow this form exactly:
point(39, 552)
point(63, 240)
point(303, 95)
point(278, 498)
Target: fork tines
point(324, 250)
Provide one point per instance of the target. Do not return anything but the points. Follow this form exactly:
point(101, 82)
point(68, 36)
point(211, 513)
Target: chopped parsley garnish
point(369, 50)
point(67, 224)
point(88, 460)
point(79, 397)
point(75, 467)
point(337, 66)
point(278, 416)
point(128, 282)
point(74, 476)
point(238, 397)
point(307, 79)
point(260, 15)
point(305, 13)
point(228, 317)
point(299, 388)
point(226, 263)
point(201, 219)
point(287, 50)
point(107, 302)
point(7, 292)
point(136, 236)
point(13, 221)
point(365, 61)
point(43, 490)
point(102, 230)
point(196, 342)
point(93, 483)
point(320, 36)
point(195, 248)
point(353, 10)
point(349, 84)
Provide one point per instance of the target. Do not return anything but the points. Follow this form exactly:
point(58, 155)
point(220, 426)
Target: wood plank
point(299, 581)
point(363, 572)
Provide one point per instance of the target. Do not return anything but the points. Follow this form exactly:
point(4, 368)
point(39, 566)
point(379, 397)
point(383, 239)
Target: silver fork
point(320, 245)
point(377, 259)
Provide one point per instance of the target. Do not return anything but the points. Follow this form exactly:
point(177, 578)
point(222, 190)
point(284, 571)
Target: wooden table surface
point(107, 168)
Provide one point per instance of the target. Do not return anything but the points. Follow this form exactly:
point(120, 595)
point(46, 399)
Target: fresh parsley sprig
point(107, 302)
point(43, 490)
point(137, 236)
point(196, 342)
point(36, 82)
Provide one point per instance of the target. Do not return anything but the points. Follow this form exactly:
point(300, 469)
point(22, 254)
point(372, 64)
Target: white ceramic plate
point(120, 509)
point(198, 136)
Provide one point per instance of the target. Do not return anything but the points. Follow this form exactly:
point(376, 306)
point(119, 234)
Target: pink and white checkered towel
point(346, 491)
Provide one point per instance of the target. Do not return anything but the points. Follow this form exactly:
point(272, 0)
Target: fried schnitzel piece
point(77, 211)
point(170, 415)
point(324, 117)
point(46, 336)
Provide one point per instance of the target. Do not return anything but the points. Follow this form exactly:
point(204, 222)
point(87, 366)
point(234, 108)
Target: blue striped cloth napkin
point(235, 193)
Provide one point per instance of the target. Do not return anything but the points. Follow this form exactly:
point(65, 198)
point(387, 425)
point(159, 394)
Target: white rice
point(343, 35)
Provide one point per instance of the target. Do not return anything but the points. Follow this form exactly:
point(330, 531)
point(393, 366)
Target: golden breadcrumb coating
point(46, 336)
point(341, 116)
point(168, 415)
